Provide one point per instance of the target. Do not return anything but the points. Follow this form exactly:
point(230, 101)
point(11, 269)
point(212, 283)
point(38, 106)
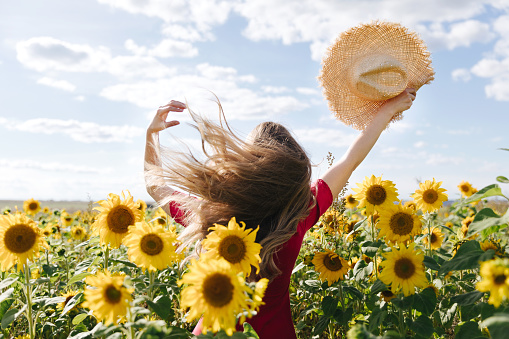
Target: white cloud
point(461, 34)
point(238, 102)
point(186, 33)
point(440, 159)
point(461, 74)
point(80, 98)
point(60, 84)
point(51, 166)
point(459, 132)
point(275, 89)
point(329, 136)
point(87, 132)
point(419, 144)
point(309, 91)
point(164, 49)
point(49, 54)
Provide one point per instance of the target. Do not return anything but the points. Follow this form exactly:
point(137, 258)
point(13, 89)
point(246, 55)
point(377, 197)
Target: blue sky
point(80, 81)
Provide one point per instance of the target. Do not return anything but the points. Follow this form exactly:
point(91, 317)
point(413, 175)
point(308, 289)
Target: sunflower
point(429, 197)
point(23, 336)
point(66, 219)
point(78, 232)
point(234, 244)
point(437, 237)
point(465, 188)
point(387, 295)
point(46, 210)
point(20, 240)
point(47, 231)
point(330, 266)
point(258, 293)
point(108, 298)
point(465, 223)
point(35, 273)
point(495, 279)
point(398, 224)
point(150, 247)
point(375, 193)
point(31, 206)
point(215, 292)
point(141, 205)
point(350, 201)
point(411, 204)
point(492, 244)
point(115, 217)
point(68, 296)
point(403, 269)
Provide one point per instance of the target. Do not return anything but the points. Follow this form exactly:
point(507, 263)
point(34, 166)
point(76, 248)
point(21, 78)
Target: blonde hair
point(264, 182)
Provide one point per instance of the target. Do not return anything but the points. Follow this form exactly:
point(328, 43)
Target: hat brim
point(386, 38)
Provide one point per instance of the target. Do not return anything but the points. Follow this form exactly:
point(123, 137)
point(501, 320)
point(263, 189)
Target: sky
point(81, 80)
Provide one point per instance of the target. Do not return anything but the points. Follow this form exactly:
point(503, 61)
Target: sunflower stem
point(341, 297)
point(428, 222)
point(375, 261)
point(49, 278)
point(28, 293)
point(151, 276)
point(106, 257)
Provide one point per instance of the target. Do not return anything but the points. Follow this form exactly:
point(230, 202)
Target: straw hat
point(370, 64)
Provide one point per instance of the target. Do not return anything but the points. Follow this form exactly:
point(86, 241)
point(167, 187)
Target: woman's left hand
point(159, 123)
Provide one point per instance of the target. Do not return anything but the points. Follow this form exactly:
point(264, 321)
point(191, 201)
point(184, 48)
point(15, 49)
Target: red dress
point(274, 320)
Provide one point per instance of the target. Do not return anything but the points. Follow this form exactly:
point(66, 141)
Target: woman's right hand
point(159, 123)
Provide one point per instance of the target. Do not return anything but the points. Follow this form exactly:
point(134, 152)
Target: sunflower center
point(430, 196)
point(77, 232)
point(404, 268)
point(332, 264)
point(401, 223)
point(232, 249)
point(161, 221)
point(387, 294)
point(499, 279)
point(351, 200)
point(434, 238)
point(67, 299)
point(218, 290)
point(464, 188)
point(120, 218)
point(68, 219)
point(33, 206)
point(20, 238)
point(151, 244)
point(376, 195)
point(112, 294)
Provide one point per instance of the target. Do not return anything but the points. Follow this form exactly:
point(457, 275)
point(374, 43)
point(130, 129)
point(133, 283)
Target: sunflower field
point(376, 265)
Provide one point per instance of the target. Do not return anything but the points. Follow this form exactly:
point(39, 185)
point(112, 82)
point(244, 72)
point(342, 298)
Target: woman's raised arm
point(337, 176)
point(152, 152)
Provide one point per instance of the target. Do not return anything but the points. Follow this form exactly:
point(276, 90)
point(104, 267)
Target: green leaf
point(353, 292)
point(429, 262)
point(48, 301)
point(321, 324)
point(369, 248)
point(9, 317)
point(162, 305)
point(72, 302)
point(4, 306)
point(404, 302)
point(361, 270)
point(6, 282)
point(376, 318)
point(423, 326)
point(329, 305)
point(467, 298)
point(486, 219)
point(486, 192)
point(297, 268)
point(498, 325)
point(447, 317)
point(426, 301)
point(78, 277)
point(467, 257)
point(79, 318)
point(313, 283)
point(360, 332)
point(468, 330)
point(6, 294)
point(250, 332)
point(502, 179)
point(124, 262)
point(378, 286)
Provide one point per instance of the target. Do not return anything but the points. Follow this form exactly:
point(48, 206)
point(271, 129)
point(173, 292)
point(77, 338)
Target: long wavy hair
point(263, 181)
